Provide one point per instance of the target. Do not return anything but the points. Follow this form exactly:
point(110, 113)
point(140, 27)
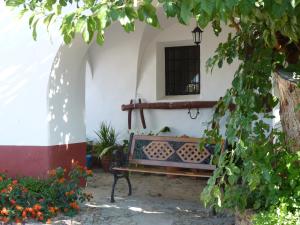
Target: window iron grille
point(182, 70)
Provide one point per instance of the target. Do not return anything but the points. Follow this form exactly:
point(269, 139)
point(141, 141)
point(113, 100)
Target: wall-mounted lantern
point(197, 35)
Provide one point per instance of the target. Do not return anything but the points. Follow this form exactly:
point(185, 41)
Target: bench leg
point(129, 184)
point(112, 197)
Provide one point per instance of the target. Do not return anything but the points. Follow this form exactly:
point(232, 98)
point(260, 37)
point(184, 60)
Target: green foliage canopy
point(91, 17)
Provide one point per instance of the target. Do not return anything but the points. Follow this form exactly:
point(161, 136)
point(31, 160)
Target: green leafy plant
point(107, 140)
point(30, 198)
point(279, 215)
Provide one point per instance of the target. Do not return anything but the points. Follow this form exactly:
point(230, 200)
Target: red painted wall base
point(36, 161)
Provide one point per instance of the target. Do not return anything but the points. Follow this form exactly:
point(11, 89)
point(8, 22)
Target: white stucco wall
point(128, 62)
point(24, 73)
point(41, 85)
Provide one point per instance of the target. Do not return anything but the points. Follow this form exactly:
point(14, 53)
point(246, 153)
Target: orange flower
point(48, 221)
point(37, 207)
point(4, 211)
point(52, 210)
point(89, 172)
point(1, 178)
point(74, 205)
point(39, 214)
point(18, 207)
point(52, 172)
point(24, 214)
point(61, 180)
point(29, 210)
point(12, 201)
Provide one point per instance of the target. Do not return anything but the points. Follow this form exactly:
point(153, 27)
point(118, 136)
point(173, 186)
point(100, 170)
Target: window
point(182, 70)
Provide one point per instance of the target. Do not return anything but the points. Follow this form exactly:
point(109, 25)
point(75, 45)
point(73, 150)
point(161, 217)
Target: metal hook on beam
point(193, 117)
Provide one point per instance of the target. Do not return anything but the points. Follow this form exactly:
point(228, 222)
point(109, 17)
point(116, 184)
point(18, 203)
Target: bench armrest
point(119, 158)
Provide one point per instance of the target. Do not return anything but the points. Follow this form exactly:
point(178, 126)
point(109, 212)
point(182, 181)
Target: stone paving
point(156, 200)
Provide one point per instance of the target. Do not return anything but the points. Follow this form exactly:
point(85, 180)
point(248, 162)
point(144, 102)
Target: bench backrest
point(170, 152)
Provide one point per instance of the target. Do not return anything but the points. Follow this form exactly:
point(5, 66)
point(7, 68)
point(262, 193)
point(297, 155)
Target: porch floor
point(156, 200)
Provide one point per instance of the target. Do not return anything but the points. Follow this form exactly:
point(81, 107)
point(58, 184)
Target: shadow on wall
point(66, 105)
point(66, 95)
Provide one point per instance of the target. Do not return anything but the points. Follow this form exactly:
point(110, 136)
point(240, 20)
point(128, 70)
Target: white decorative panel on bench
point(158, 150)
point(190, 152)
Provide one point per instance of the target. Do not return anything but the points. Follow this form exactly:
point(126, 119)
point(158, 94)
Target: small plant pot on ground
point(244, 218)
point(89, 161)
point(105, 163)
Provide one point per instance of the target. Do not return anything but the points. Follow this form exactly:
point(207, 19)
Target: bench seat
point(200, 173)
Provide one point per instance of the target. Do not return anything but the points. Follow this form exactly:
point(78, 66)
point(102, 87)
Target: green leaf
point(170, 8)
point(147, 13)
point(89, 27)
point(58, 9)
point(131, 13)
point(14, 3)
point(34, 33)
point(101, 15)
point(89, 3)
point(100, 38)
point(23, 11)
point(63, 2)
point(186, 11)
point(208, 6)
point(47, 20)
point(31, 18)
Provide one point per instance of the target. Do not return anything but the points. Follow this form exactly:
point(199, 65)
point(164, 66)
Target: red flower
point(14, 182)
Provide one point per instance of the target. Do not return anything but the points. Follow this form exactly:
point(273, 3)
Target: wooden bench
point(152, 154)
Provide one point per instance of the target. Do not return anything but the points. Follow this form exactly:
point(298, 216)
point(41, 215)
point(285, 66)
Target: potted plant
point(89, 151)
point(106, 143)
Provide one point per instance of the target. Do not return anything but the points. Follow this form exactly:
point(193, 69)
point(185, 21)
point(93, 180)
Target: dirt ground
point(155, 200)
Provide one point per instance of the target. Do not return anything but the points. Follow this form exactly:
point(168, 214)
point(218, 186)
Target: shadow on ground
point(156, 200)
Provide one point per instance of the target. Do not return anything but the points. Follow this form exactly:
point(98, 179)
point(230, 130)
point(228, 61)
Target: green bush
point(281, 215)
point(25, 198)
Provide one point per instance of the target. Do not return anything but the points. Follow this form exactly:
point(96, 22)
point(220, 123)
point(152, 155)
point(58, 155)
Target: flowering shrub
point(30, 198)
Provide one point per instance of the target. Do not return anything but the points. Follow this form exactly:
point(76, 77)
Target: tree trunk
point(289, 96)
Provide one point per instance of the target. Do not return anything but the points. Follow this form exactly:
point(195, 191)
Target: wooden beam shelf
point(164, 106)
point(170, 105)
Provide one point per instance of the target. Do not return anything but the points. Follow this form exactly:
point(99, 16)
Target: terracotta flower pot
point(244, 218)
point(105, 163)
